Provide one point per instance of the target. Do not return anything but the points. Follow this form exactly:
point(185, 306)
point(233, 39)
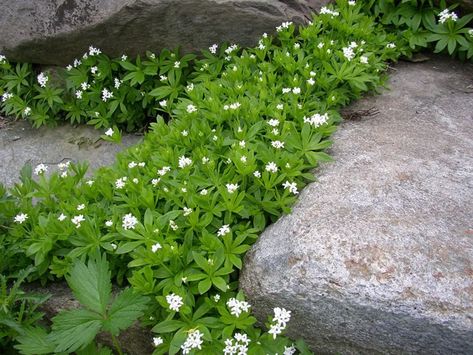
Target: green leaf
point(125, 309)
point(161, 92)
point(168, 326)
point(91, 284)
point(75, 329)
point(34, 341)
point(127, 247)
point(204, 285)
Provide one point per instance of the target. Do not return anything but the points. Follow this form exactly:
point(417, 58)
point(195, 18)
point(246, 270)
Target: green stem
point(117, 345)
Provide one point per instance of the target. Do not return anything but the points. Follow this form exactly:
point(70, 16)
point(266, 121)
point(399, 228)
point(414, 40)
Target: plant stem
point(117, 345)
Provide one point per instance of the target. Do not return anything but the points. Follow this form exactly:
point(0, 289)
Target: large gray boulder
point(57, 31)
point(377, 256)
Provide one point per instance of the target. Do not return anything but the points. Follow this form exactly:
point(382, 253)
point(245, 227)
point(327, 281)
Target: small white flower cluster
point(470, 32)
point(94, 51)
point(120, 183)
point(27, 111)
point(237, 307)
point(155, 247)
point(3, 59)
point(240, 347)
point(213, 48)
point(295, 90)
point(174, 301)
point(231, 49)
point(193, 341)
point(291, 186)
point(326, 11)
point(234, 106)
point(109, 132)
point(277, 144)
point(289, 350)
point(106, 95)
point(117, 82)
point(187, 211)
point(20, 218)
point(129, 221)
point(281, 318)
point(348, 53)
point(225, 229)
point(351, 2)
point(173, 225)
point(390, 45)
point(40, 169)
point(231, 188)
point(446, 15)
point(191, 108)
point(317, 119)
point(164, 170)
point(184, 161)
point(6, 96)
point(42, 79)
point(77, 220)
point(157, 341)
point(271, 167)
point(284, 25)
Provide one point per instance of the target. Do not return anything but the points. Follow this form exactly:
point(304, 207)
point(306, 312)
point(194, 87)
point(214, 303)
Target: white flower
point(243, 159)
point(155, 247)
point(118, 83)
point(132, 165)
point(447, 15)
point(205, 160)
point(240, 347)
point(281, 316)
point(193, 341)
point(177, 64)
point(173, 225)
point(237, 307)
point(20, 218)
point(184, 161)
point(61, 217)
point(320, 45)
point(124, 58)
point(217, 298)
point(225, 229)
point(348, 53)
point(230, 49)
point(40, 169)
point(27, 111)
point(257, 174)
point(120, 183)
point(271, 167)
point(204, 192)
point(163, 78)
point(77, 220)
point(286, 90)
point(364, 59)
point(231, 188)
point(277, 144)
point(297, 45)
point(80, 207)
point(94, 70)
point(142, 164)
point(76, 63)
point(351, 3)
point(64, 174)
point(292, 187)
point(191, 108)
point(273, 122)
point(296, 91)
point(242, 144)
point(3, 59)
point(317, 119)
point(275, 330)
point(135, 180)
point(325, 10)
point(283, 26)
point(114, 246)
point(90, 182)
point(157, 341)
point(109, 132)
point(6, 96)
point(129, 221)
point(94, 51)
point(187, 211)
point(390, 45)
point(280, 106)
point(190, 87)
point(213, 48)
point(174, 301)
point(109, 223)
point(185, 133)
point(311, 82)
point(69, 67)
point(78, 94)
point(235, 106)
point(106, 95)
point(42, 79)
point(164, 170)
point(470, 32)
point(155, 182)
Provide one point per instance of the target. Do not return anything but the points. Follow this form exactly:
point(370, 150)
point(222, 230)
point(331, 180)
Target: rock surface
point(57, 31)
point(377, 256)
point(21, 144)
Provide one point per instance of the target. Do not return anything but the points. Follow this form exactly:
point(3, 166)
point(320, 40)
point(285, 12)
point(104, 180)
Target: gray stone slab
point(377, 256)
point(20, 144)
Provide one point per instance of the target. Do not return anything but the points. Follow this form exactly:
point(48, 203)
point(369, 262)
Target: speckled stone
point(377, 256)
